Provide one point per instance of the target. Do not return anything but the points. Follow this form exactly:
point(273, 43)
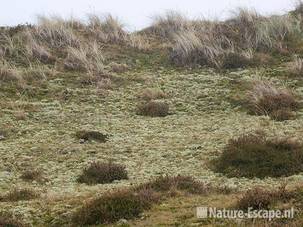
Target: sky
point(135, 14)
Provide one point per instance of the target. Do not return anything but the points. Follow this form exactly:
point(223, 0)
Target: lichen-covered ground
point(205, 111)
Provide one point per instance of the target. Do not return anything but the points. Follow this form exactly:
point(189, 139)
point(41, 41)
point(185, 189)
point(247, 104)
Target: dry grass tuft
point(254, 155)
point(102, 173)
point(107, 29)
point(149, 94)
point(296, 66)
point(153, 109)
point(139, 42)
point(212, 43)
point(87, 58)
point(118, 68)
point(37, 51)
point(169, 24)
point(266, 99)
point(9, 74)
point(55, 33)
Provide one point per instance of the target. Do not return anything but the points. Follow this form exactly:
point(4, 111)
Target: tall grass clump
point(213, 42)
point(274, 33)
point(296, 66)
point(87, 58)
point(255, 155)
point(266, 99)
point(107, 29)
point(9, 74)
point(170, 23)
point(55, 33)
point(37, 51)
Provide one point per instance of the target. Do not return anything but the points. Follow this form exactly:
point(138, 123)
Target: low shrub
point(181, 183)
point(254, 155)
point(19, 194)
point(257, 199)
point(91, 136)
point(153, 109)
point(265, 99)
point(261, 199)
point(31, 175)
point(9, 221)
point(128, 204)
point(102, 173)
point(112, 207)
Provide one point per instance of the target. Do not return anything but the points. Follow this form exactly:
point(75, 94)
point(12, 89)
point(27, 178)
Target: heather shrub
point(130, 203)
point(102, 173)
point(31, 175)
point(181, 183)
point(91, 136)
point(19, 195)
point(7, 220)
point(153, 109)
point(262, 199)
point(255, 155)
point(266, 99)
point(112, 207)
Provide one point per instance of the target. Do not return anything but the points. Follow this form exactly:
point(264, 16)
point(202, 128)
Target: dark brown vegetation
point(9, 221)
point(261, 199)
point(19, 194)
point(127, 204)
point(255, 155)
point(102, 173)
point(265, 99)
point(92, 136)
point(32, 175)
point(153, 109)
